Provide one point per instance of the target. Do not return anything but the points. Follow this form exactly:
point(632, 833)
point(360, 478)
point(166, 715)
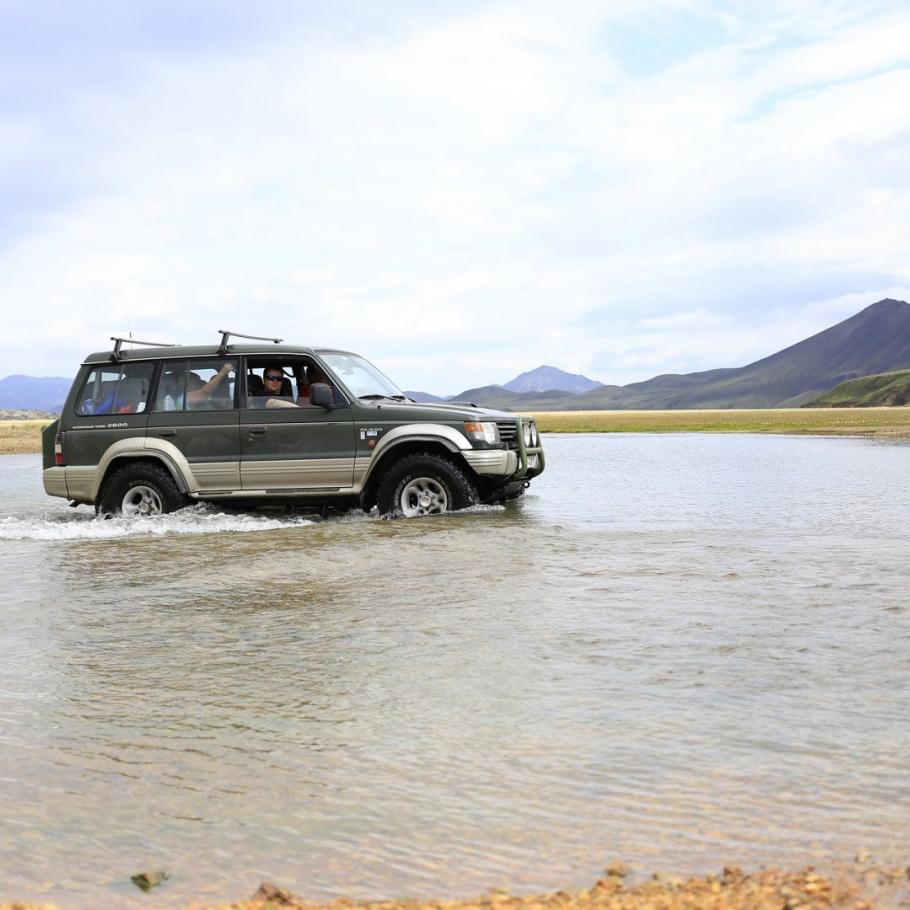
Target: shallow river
point(679, 651)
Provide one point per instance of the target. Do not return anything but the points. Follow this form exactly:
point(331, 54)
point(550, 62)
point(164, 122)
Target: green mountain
point(882, 390)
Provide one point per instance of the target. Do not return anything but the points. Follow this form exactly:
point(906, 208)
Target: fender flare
point(449, 437)
point(156, 449)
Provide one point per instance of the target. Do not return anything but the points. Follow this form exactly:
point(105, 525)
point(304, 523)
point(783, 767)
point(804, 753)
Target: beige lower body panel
point(215, 475)
point(80, 483)
point(54, 481)
point(298, 474)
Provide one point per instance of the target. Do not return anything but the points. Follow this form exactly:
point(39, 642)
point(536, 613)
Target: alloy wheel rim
point(423, 496)
point(141, 501)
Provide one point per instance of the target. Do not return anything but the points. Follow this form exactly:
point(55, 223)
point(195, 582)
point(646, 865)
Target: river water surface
point(678, 651)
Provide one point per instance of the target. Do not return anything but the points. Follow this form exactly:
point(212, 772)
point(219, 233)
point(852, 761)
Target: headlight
point(482, 431)
point(535, 439)
point(526, 434)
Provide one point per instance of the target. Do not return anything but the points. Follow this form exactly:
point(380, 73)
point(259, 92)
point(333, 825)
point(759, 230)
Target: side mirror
point(321, 396)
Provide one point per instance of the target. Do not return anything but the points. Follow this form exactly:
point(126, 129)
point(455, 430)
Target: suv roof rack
point(115, 354)
point(225, 335)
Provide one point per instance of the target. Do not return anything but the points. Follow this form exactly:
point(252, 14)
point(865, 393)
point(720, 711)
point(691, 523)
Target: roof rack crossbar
point(115, 354)
point(225, 335)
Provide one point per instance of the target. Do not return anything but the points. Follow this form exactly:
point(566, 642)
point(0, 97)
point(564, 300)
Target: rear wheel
point(424, 484)
point(139, 490)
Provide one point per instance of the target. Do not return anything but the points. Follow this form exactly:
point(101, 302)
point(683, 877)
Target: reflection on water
point(676, 650)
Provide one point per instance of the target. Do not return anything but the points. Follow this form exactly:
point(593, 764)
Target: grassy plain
point(21, 436)
point(18, 437)
point(823, 421)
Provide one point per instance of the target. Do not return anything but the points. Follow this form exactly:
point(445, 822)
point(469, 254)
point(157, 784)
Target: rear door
point(196, 411)
point(285, 448)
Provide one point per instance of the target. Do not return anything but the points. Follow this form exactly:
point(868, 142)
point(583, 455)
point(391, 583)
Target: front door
point(288, 445)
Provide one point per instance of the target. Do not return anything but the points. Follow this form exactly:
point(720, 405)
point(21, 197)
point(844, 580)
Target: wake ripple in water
point(195, 520)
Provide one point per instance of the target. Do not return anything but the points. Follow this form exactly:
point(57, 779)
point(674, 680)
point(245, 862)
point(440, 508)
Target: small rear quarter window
point(115, 389)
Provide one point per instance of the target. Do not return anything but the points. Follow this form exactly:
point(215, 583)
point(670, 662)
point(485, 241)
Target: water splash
point(199, 519)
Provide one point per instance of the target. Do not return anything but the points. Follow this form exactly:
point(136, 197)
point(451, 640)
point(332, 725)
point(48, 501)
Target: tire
point(138, 490)
point(424, 484)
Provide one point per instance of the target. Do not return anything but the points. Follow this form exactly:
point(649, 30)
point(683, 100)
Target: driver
point(273, 379)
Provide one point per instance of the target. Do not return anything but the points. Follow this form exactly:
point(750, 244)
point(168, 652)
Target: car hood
point(432, 411)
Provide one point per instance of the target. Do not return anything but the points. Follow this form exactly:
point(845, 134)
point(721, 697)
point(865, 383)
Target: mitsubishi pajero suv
point(150, 429)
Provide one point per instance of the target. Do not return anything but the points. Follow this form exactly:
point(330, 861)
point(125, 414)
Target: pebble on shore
point(865, 888)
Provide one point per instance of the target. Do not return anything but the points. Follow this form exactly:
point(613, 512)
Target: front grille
point(508, 433)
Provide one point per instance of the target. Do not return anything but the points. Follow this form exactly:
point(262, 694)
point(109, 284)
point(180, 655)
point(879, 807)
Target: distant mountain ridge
point(542, 379)
point(34, 393)
point(875, 340)
point(546, 379)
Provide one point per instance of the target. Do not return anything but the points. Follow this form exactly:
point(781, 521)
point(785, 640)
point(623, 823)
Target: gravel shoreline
point(854, 887)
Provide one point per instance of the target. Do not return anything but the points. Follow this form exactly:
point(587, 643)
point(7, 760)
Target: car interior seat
point(129, 394)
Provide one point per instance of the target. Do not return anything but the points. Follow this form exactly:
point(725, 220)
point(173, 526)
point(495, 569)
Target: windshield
point(361, 377)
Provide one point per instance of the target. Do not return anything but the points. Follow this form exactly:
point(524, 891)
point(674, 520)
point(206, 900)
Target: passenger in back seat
point(198, 392)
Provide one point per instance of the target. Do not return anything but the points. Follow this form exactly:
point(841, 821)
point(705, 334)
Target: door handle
point(167, 434)
point(257, 431)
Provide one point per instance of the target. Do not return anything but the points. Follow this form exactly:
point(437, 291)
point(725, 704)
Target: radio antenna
point(127, 312)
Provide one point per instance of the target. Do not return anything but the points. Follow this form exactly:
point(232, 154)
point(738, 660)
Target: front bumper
point(492, 462)
point(517, 462)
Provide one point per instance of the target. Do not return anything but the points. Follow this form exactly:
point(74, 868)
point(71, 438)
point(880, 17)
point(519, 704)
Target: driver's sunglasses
point(273, 377)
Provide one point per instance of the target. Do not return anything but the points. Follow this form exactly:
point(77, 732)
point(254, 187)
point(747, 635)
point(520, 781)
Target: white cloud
point(469, 197)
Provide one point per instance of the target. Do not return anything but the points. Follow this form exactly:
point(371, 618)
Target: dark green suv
point(150, 429)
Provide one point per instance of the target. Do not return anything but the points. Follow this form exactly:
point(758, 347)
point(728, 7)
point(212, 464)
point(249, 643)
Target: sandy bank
point(856, 887)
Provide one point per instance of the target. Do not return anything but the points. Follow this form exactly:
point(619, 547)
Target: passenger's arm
point(203, 392)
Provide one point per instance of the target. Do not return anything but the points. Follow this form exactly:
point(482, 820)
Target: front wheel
point(138, 491)
point(424, 484)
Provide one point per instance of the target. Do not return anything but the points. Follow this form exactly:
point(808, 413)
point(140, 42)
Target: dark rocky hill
point(875, 340)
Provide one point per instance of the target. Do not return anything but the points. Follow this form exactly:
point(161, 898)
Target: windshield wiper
point(389, 397)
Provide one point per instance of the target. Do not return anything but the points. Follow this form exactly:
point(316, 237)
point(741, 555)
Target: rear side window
point(196, 385)
point(116, 389)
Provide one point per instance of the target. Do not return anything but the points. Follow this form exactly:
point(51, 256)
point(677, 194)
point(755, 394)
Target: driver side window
point(281, 383)
point(270, 384)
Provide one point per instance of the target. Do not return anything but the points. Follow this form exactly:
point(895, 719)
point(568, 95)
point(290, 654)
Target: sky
point(460, 191)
